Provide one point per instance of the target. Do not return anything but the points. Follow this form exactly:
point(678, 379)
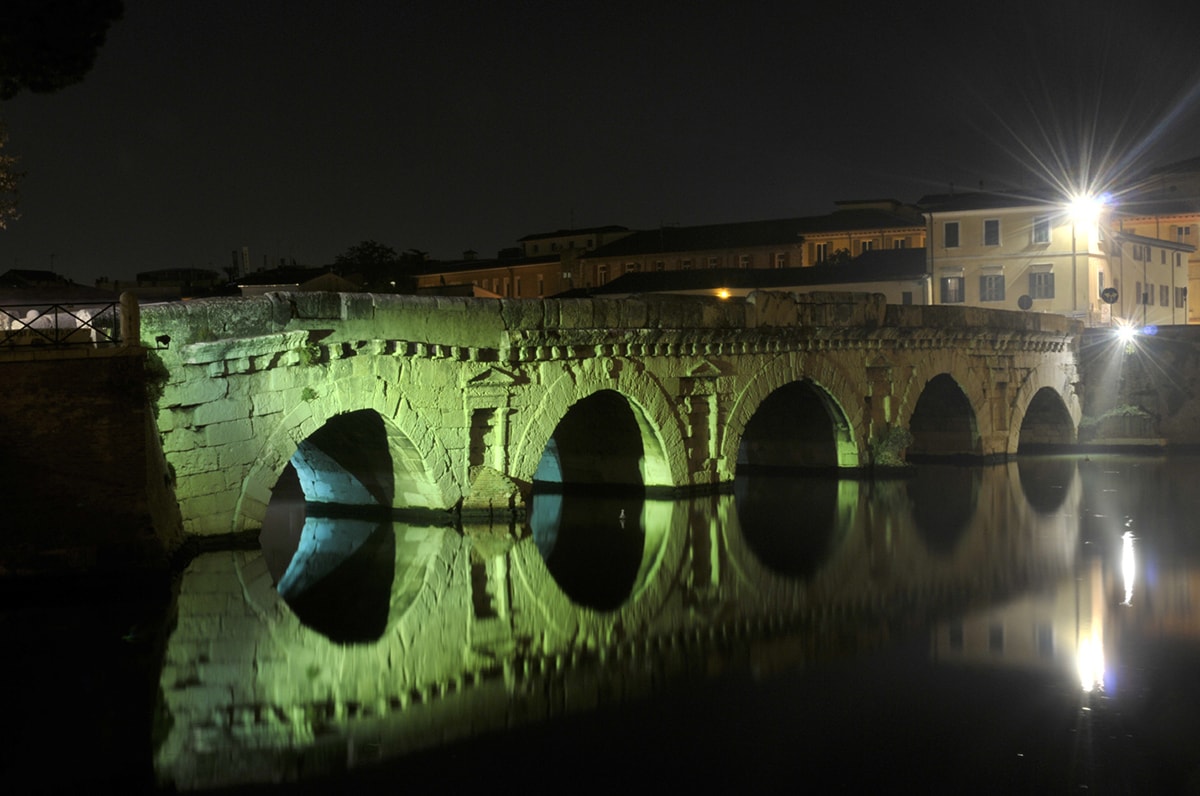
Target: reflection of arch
point(421, 477)
point(601, 550)
point(653, 412)
point(1047, 422)
point(779, 373)
point(943, 422)
point(797, 425)
point(793, 525)
point(944, 500)
point(665, 527)
point(1046, 481)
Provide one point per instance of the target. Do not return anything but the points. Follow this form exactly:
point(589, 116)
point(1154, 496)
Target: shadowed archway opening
point(798, 426)
point(588, 502)
point(597, 446)
point(943, 423)
point(1047, 425)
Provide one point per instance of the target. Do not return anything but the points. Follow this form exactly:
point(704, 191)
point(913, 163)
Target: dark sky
point(298, 129)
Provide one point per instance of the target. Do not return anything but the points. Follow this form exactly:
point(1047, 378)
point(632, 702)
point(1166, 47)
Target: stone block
point(219, 412)
point(228, 433)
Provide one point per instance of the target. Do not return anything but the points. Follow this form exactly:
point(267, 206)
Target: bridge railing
point(60, 325)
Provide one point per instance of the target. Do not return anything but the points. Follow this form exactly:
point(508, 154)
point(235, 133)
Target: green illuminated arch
point(421, 466)
point(779, 373)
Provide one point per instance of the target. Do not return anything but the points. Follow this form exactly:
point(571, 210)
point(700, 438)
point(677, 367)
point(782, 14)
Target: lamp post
point(1083, 210)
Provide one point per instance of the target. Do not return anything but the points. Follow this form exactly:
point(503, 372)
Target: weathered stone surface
point(291, 364)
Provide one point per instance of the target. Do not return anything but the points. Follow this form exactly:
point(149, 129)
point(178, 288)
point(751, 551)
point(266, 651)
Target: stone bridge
point(425, 403)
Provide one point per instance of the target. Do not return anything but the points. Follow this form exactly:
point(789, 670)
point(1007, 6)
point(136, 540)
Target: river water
point(1027, 627)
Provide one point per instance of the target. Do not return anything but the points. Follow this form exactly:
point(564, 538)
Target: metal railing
point(60, 325)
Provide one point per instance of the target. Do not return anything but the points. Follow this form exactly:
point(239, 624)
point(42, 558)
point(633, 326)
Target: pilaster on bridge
point(465, 403)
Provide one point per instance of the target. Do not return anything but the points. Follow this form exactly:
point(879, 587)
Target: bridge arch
point(663, 462)
point(771, 389)
point(944, 420)
point(421, 471)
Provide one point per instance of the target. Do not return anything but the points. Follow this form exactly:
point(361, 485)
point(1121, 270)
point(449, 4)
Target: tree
point(46, 45)
point(9, 180)
point(368, 254)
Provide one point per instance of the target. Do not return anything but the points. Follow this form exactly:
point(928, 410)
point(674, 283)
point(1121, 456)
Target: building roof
point(288, 275)
point(25, 277)
point(462, 266)
point(983, 200)
point(881, 265)
point(564, 233)
point(745, 234)
point(1129, 237)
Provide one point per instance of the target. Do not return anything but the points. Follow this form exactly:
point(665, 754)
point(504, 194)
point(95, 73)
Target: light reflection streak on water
point(1090, 662)
point(1128, 565)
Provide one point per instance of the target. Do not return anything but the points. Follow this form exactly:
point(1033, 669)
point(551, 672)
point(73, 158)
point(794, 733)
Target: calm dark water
point(1029, 628)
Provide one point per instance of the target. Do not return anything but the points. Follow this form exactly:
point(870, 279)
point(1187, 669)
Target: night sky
point(298, 129)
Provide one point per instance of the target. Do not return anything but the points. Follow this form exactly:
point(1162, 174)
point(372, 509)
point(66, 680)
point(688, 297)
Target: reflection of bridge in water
point(440, 635)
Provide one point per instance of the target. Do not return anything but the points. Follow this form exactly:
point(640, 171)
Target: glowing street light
point(1083, 209)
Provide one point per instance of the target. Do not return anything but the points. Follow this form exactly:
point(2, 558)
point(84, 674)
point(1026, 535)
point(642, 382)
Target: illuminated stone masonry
point(456, 392)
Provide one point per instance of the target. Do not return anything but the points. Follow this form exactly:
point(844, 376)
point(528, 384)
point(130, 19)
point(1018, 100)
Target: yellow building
point(1151, 279)
point(1006, 251)
point(1166, 206)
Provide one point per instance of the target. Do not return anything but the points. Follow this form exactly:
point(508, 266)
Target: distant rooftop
point(858, 215)
point(877, 265)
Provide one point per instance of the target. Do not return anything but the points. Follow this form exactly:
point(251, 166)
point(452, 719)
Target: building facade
point(855, 227)
point(1018, 253)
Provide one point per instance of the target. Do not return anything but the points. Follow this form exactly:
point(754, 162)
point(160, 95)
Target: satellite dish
point(1025, 302)
point(1109, 295)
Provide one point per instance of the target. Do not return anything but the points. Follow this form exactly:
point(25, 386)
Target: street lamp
point(1084, 211)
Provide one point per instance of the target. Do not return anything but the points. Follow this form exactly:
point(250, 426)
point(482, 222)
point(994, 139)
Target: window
point(713, 262)
point(601, 274)
point(906, 297)
point(820, 252)
point(865, 246)
point(1162, 256)
point(1044, 639)
point(1041, 229)
point(1164, 295)
point(541, 285)
point(1041, 285)
point(1180, 297)
point(991, 287)
point(996, 637)
point(952, 290)
point(517, 286)
point(991, 232)
point(781, 259)
point(1182, 234)
point(686, 265)
point(659, 265)
point(744, 261)
point(900, 243)
point(950, 234)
